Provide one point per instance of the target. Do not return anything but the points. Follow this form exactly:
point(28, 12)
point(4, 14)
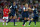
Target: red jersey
point(5, 12)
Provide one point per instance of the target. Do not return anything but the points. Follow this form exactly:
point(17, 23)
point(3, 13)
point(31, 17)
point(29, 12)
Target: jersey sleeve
point(16, 6)
point(23, 8)
point(10, 6)
point(33, 9)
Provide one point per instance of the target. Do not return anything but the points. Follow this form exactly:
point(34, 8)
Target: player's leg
point(30, 21)
point(24, 21)
point(3, 20)
point(6, 20)
point(34, 20)
point(24, 17)
point(14, 17)
point(14, 20)
point(9, 19)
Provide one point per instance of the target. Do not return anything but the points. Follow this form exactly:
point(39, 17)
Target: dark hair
point(34, 6)
point(6, 5)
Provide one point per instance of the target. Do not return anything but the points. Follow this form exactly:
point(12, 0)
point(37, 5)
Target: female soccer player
point(25, 15)
point(13, 9)
point(5, 14)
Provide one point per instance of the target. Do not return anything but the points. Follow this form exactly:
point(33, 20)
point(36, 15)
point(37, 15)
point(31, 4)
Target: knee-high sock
point(3, 22)
point(9, 20)
point(6, 21)
point(24, 22)
point(35, 22)
point(14, 21)
point(30, 22)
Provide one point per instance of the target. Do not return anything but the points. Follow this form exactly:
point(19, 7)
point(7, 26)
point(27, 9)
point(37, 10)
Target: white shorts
point(5, 17)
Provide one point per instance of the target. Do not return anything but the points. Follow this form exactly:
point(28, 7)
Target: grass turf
point(19, 24)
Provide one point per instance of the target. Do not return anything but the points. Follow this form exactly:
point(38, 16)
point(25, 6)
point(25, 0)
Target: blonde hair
point(26, 4)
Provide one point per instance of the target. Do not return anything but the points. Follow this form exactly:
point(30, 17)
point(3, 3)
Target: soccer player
point(5, 14)
point(25, 15)
point(13, 9)
point(35, 12)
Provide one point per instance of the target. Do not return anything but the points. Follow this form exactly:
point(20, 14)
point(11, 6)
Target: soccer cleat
point(15, 24)
point(3, 24)
point(34, 25)
point(25, 23)
point(6, 23)
point(28, 25)
point(22, 25)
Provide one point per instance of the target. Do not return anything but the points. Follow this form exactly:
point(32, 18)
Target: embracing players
point(5, 14)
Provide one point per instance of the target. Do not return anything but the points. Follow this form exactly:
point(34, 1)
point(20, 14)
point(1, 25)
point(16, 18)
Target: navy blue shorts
point(35, 18)
point(11, 14)
point(25, 14)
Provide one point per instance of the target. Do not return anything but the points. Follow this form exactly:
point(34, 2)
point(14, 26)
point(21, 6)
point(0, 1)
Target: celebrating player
point(25, 15)
point(35, 12)
point(5, 14)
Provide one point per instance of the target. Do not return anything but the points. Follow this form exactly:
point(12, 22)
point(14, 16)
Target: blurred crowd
point(20, 4)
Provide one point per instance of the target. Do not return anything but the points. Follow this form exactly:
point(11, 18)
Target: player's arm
point(10, 9)
point(31, 19)
point(29, 9)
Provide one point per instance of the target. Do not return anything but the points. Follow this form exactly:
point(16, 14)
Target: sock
point(24, 22)
point(9, 20)
point(6, 21)
point(3, 22)
point(35, 22)
point(30, 22)
point(14, 21)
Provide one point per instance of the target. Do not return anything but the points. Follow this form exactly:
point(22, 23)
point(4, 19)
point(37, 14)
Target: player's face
point(26, 5)
point(14, 3)
point(6, 7)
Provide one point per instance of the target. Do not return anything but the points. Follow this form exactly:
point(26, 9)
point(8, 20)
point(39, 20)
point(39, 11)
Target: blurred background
point(20, 4)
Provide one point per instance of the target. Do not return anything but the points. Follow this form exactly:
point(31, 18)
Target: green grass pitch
point(19, 24)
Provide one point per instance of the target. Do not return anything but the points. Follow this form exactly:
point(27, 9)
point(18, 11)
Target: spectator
point(0, 12)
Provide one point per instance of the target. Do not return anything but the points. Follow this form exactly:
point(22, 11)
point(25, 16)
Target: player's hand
point(31, 19)
point(24, 10)
point(28, 19)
